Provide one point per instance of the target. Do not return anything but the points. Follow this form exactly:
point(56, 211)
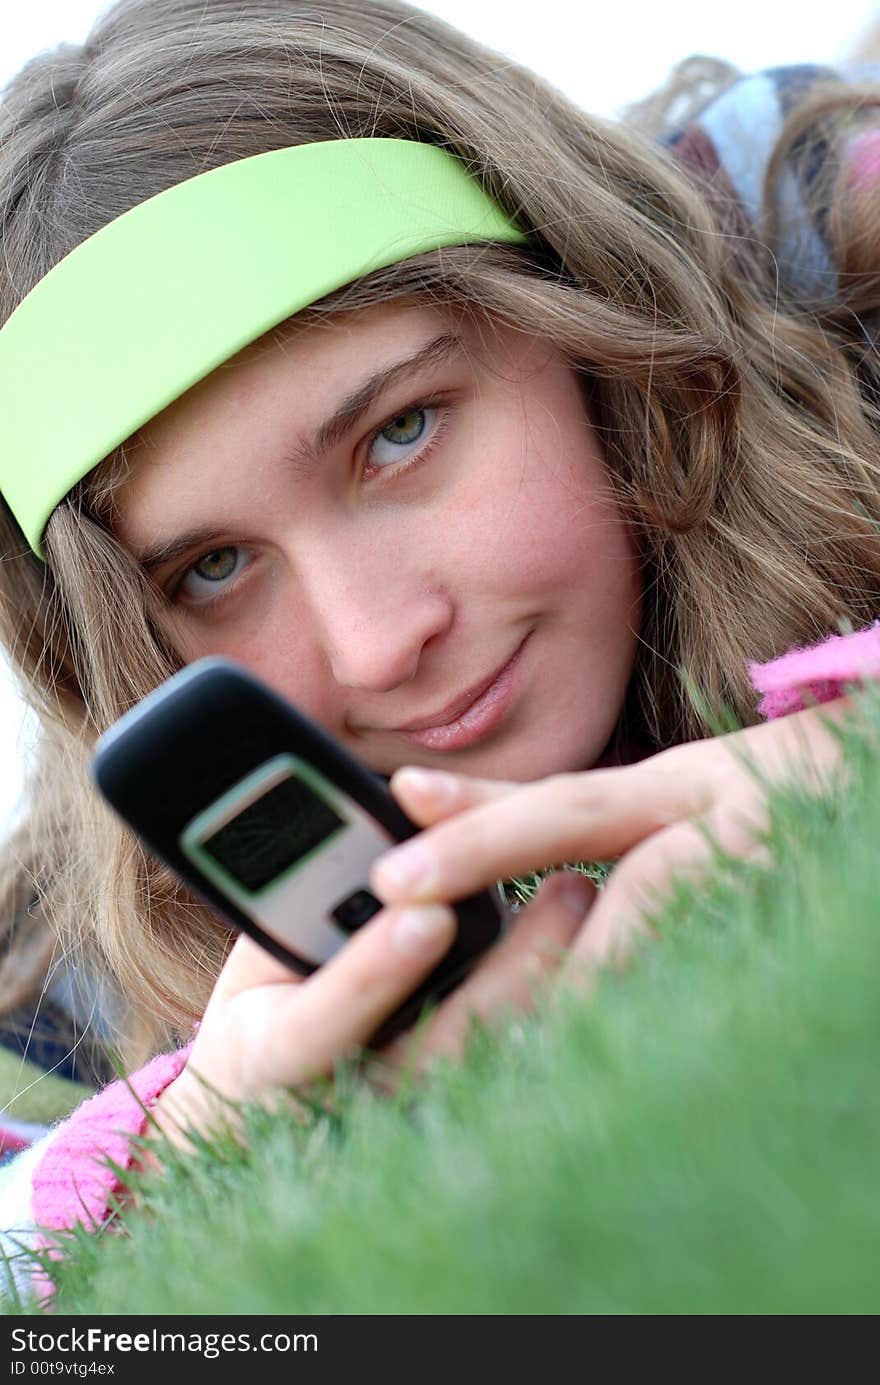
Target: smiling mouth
point(456, 709)
point(474, 715)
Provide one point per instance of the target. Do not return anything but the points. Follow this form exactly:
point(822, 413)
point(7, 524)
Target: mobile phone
point(269, 819)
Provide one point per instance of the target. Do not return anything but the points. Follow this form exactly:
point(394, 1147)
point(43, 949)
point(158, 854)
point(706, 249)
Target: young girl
point(471, 443)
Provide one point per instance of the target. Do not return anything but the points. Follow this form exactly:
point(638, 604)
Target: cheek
point(540, 512)
point(264, 639)
point(274, 652)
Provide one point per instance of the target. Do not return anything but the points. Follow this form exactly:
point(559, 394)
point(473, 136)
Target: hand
point(266, 1029)
point(650, 815)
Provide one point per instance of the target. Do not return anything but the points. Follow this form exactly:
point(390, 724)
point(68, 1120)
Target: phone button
point(353, 912)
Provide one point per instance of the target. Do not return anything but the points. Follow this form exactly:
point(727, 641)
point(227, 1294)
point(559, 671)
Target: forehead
point(269, 402)
point(311, 355)
point(285, 402)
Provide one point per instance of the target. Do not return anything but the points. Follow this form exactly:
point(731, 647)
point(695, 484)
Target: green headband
point(162, 295)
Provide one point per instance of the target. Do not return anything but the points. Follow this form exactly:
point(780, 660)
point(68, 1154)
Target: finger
point(642, 885)
point(429, 796)
point(339, 1007)
point(587, 815)
point(506, 978)
point(249, 965)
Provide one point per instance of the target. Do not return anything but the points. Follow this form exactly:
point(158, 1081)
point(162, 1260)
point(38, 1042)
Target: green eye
point(407, 429)
point(210, 578)
point(216, 566)
point(413, 416)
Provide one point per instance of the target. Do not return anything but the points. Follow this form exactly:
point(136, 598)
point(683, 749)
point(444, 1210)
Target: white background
point(601, 56)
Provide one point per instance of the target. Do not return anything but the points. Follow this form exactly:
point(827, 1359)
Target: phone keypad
point(352, 913)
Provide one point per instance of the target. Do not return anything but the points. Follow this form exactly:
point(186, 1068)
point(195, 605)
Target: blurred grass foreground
point(698, 1136)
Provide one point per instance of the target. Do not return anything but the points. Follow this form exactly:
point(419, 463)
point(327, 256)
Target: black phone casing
point(197, 735)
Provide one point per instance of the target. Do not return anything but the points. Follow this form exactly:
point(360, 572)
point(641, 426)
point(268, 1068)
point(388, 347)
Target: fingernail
point(576, 892)
point(417, 931)
point(405, 867)
point(435, 784)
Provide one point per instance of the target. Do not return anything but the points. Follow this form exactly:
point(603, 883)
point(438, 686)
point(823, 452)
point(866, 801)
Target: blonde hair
point(736, 417)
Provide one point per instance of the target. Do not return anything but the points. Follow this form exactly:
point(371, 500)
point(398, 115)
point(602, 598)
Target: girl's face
point(379, 555)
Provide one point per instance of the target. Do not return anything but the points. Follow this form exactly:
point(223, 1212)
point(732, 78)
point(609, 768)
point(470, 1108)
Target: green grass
point(699, 1137)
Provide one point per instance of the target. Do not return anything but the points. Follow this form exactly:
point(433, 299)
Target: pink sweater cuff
point(821, 670)
point(72, 1182)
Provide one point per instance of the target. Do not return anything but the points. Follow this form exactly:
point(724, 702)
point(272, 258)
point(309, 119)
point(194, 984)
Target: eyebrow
point(306, 455)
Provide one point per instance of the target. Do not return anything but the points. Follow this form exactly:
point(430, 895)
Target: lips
point(453, 710)
point(474, 720)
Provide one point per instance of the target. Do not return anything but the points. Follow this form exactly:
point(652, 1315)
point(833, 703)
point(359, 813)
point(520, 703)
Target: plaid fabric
point(51, 1040)
point(727, 147)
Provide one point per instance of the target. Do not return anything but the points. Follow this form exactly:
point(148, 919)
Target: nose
point(373, 619)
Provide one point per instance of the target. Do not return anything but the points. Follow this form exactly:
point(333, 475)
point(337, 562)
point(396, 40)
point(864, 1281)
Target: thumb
point(249, 965)
point(542, 931)
point(569, 890)
point(537, 941)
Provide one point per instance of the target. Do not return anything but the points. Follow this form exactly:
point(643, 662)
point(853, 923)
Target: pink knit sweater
point(71, 1180)
point(823, 670)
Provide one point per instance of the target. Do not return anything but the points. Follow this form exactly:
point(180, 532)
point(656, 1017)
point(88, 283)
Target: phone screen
point(273, 834)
